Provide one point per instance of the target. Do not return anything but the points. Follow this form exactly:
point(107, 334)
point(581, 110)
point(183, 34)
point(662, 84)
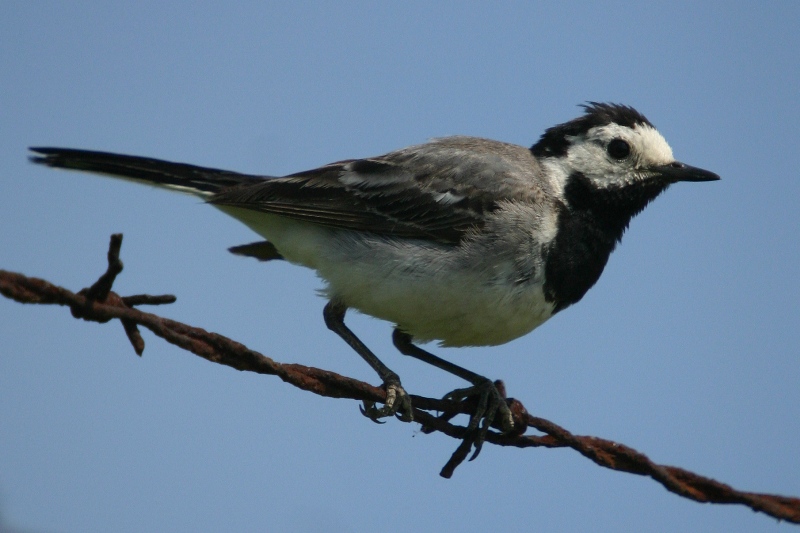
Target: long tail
point(178, 176)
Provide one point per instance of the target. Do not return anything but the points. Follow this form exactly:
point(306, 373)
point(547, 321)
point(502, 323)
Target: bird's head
point(611, 160)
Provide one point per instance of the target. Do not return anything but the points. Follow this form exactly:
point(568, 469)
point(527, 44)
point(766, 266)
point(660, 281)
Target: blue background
point(687, 348)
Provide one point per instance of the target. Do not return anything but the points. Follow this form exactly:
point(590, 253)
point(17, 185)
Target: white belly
point(457, 309)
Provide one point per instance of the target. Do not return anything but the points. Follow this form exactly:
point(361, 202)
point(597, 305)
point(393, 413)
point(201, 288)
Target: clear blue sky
point(688, 349)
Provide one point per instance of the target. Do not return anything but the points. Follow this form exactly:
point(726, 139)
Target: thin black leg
point(397, 401)
point(490, 401)
point(403, 342)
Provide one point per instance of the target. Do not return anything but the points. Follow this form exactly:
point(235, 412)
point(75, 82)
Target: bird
point(461, 240)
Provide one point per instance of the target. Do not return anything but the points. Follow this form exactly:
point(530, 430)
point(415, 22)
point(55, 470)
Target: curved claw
point(370, 411)
point(398, 403)
point(490, 403)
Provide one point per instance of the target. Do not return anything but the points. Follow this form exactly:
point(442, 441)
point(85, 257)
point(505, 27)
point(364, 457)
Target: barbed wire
point(99, 304)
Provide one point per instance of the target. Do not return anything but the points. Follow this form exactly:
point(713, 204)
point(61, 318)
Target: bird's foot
point(491, 408)
point(398, 403)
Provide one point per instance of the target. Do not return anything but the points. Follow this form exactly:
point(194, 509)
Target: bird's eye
point(618, 149)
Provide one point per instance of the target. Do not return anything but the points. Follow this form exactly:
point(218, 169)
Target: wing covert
point(437, 191)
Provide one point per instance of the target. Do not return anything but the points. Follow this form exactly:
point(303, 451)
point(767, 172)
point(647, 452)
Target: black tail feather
point(156, 171)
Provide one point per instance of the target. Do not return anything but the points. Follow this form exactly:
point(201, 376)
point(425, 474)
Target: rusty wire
point(99, 304)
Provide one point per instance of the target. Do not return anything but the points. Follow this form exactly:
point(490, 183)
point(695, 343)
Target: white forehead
point(649, 146)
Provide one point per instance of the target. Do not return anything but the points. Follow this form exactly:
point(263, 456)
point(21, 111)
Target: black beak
point(675, 171)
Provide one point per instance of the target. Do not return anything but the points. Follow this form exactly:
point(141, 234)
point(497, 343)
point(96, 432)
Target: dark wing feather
point(389, 206)
point(438, 191)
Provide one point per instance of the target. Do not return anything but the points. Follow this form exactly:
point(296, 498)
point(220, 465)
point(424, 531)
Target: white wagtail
point(461, 240)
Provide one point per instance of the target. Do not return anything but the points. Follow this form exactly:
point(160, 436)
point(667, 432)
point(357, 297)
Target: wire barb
point(100, 289)
point(100, 292)
point(98, 303)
